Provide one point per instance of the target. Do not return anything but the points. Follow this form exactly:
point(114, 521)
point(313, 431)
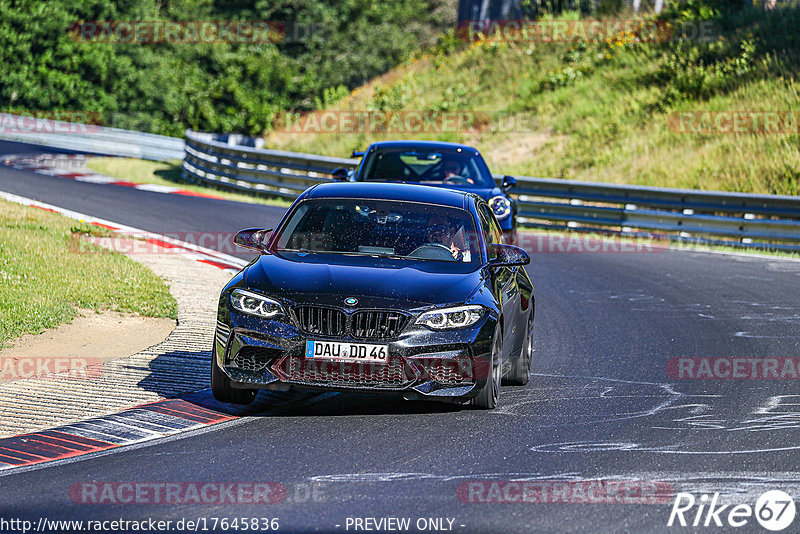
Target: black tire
point(520, 373)
point(489, 395)
point(222, 389)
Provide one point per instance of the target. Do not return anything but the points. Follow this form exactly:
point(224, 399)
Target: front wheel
point(488, 397)
point(221, 386)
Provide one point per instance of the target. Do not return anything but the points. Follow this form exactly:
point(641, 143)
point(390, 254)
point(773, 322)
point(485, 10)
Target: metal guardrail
point(227, 161)
point(686, 212)
point(90, 139)
point(765, 221)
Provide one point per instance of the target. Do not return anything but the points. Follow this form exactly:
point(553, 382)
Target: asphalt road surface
point(602, 406)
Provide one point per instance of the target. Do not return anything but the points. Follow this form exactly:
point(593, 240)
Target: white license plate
point(355, 352)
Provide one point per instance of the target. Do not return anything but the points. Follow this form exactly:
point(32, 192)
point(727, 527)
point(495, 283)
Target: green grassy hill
point(600, 111)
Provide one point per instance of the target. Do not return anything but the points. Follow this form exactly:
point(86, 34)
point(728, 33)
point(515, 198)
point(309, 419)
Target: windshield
point(435, 167)
point(406, 230)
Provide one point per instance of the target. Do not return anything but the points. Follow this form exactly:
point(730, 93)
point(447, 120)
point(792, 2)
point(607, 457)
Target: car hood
point(375, 282)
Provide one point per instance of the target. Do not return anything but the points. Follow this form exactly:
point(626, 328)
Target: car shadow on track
point(316, 404)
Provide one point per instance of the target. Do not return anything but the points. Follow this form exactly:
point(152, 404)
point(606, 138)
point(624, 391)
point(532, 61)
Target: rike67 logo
point(774, 510)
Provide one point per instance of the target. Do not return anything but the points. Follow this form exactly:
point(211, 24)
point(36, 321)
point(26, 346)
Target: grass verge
point(168, 173)
point(47, 271)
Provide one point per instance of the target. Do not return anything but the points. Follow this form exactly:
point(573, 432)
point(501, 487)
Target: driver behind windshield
point(455, 171)
point(373, 227)
point(448, 168)
point(443, 231)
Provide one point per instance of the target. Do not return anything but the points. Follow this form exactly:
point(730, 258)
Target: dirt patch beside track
point(91, 337)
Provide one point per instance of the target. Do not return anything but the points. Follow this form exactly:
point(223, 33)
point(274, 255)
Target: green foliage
point(328, 49)
point(690, 10)
point(610, 7)
point(575, 64)
point(563, 77)
point(392, 98)
point(331, 96)
point(691, 73)
point(454, 97)
point(449, 43)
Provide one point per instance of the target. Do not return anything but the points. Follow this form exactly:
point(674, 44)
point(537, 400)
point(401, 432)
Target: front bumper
point(270, 354)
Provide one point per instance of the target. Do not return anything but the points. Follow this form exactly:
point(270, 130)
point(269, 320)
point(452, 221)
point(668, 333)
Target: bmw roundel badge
point(351, 301)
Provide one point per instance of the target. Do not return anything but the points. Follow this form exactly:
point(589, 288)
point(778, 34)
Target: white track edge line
point(127, 230)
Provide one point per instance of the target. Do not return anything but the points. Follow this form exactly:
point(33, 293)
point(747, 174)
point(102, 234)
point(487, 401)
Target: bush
point(233, 87)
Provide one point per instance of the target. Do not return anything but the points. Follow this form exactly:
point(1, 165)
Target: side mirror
point(357, 154)
point(340, 174)
point(509, 182)
point(253, 238)
point(508, 256)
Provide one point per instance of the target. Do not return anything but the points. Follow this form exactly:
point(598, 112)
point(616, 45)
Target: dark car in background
point(440, 164)
point(388, 288)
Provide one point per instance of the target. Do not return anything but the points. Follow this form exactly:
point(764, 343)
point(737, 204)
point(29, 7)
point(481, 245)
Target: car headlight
point(255, 304)
point(501, 207)
point(447, 318)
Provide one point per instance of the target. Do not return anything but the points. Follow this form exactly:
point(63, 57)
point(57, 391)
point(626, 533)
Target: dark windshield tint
point(381, 228)
point(436, 167)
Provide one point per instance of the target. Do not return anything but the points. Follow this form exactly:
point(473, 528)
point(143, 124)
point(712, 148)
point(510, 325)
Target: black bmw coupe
point(381, 287)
